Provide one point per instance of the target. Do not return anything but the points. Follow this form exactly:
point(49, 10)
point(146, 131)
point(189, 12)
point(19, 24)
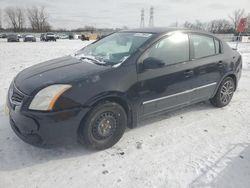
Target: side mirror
point(152, 63)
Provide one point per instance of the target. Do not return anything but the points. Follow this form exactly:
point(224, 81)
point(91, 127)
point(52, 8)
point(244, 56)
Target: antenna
point(151, 17)
point(142, 19)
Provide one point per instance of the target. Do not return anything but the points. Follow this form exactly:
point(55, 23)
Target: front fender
point(120, 98)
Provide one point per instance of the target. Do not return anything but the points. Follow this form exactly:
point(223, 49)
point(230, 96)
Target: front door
point(165, 74)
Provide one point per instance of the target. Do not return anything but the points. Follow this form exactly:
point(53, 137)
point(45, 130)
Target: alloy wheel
point(227, 91)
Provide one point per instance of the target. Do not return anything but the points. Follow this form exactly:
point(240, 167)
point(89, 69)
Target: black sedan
point(29, 38)
point(109, 85)
point(50, 37)
point(13, 38)
point(3, 36)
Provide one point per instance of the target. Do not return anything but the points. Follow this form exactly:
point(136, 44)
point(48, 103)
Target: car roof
point(162, 30)
point(157, 30)
point(12, 34)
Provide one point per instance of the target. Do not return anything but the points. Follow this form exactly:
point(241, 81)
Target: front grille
point(15, 95)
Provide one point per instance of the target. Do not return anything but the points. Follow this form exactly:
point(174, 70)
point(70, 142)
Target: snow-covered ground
point(197, 146)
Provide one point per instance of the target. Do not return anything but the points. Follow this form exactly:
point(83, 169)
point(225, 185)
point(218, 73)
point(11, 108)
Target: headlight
point(46, 98)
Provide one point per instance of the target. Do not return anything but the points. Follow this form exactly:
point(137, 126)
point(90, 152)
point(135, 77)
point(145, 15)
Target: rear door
point(206, 54)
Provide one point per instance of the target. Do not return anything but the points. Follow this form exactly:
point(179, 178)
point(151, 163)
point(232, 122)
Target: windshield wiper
point(96, 61)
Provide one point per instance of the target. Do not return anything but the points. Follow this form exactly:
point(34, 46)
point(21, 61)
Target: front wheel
point(224, 94)
point(104, 126)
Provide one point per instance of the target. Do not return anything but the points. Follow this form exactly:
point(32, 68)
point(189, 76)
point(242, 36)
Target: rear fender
point(229, 74)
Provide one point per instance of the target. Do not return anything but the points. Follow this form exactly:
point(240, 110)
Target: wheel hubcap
point(104, 126)
point(227, 91)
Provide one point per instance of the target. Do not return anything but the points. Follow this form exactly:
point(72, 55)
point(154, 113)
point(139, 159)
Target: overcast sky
point(117, 13)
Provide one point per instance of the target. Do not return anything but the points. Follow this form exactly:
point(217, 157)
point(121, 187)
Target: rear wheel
point(104, 126)
point(225, 93)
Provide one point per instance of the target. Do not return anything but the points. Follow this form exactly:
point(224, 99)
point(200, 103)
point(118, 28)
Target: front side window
point(170, 50)
point(114, 48)
point(203, 46)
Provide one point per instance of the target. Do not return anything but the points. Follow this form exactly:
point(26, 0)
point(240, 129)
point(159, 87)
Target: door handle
point(188, 73)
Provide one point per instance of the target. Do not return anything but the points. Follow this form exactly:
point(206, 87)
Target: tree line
point(36, 19)
point(17, 19)
point(220, 25)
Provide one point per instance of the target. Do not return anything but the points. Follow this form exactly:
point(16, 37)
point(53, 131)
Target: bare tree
point(1, 26)
point(236, 16)
point(198, 25)
point(220, 26)
point(11, 17)
point(187, 25)
point(214, 26)
point(15, 18)
point(20, 18)
point(38, 19)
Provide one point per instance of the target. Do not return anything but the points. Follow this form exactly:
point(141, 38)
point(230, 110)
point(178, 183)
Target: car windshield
point(114, 49)
point(12, 35)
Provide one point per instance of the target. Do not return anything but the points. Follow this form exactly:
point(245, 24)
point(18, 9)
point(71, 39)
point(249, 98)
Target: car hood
point(61, 70)
point(13, 37)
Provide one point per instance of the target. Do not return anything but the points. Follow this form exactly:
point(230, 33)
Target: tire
point(104, 126)
point(224, 93)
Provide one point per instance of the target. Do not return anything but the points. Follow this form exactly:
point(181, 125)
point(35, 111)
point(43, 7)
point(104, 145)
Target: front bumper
point(45, 128)
point(13, 40)
point(50, 38)
point(29, 40)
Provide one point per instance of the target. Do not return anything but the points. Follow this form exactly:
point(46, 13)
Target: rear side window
point(217, 46)
point(170, 50)
point(203, 46)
